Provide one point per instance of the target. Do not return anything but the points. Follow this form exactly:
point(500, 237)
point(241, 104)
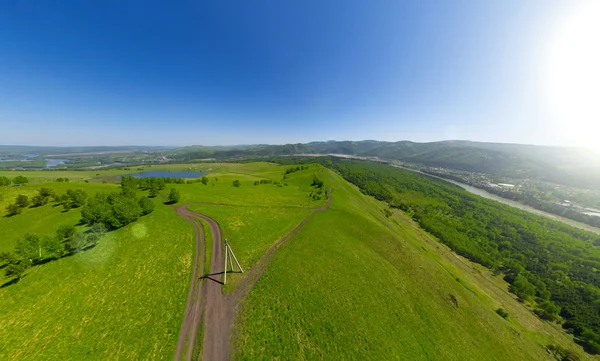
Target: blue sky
point(217, 72)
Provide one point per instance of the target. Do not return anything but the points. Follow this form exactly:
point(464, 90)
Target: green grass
point(251, 231)
point(351, 284)
point(208, 242)
point(123, 299)
point(42, 220)
point(355, 285)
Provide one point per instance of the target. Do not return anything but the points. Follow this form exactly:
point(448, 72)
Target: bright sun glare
point(572, 75)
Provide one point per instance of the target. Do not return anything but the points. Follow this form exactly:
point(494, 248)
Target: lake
point(167, 174)
point(54, 162)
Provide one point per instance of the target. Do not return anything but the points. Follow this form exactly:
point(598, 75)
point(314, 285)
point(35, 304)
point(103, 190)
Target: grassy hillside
point(571, 166)
point(44, 219)
point(123, 299)
point(354, 284)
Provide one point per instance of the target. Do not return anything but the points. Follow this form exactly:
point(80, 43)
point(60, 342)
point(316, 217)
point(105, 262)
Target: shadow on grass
point(11, 282)
point(208, 276)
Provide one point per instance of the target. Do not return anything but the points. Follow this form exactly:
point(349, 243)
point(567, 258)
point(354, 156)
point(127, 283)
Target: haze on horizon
point(197, 72)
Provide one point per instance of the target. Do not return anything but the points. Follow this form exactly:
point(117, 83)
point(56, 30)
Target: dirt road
point(191, 316)
point(206, 300)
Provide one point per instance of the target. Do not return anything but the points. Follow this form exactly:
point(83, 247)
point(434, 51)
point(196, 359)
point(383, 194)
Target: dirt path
point(191, 317)
point(210, 304)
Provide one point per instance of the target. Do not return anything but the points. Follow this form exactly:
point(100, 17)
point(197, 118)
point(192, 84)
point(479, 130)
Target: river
point(484, 194)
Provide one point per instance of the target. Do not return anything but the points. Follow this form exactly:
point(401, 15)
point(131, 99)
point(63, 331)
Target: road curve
point(190, 321)
point(206, 300)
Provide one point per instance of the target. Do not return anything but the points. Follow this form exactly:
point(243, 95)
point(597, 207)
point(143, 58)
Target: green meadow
point(123, 299)
point(352, 284)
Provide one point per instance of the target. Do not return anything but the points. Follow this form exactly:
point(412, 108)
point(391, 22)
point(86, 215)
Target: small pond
point(167, 174)
point(54, 162)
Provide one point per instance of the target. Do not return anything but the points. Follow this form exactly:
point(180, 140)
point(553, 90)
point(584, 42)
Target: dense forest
point(528, 199)
point(554, 267)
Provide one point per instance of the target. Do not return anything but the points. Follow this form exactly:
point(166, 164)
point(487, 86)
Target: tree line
point(33, 249)
point(295, 169)
point(551, 265)
point(528, 199)
point(103, 212)
point(73, 198)
point(18, 180)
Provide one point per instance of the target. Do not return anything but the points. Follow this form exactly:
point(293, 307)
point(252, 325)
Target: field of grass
point(40, 220)
point(220, 189)
point(353, 284)
point(251, 231)
point(123, 299)
point(252, 217)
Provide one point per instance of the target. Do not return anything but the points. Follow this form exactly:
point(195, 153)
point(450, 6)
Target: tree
point(99, 229)
point(204, 180)
point(317, 182)
point(129, 185)
point(236, 183)
point(38, 200)
point(147, 205)
point(522, 288)
point(4, 181)
point(20, 180)
point(53, 246)
point(92, 239)
point(29, 247)
point(174, 196)
point(77, 242)
point(13, 209)
point(125, 210)
point(77, 197)
point(97, 210)
point(548, 310)
point(22, 201)
point(8, 257)
point(46, 192)
point(65, 231)
point(17, 269)
point(154, 190)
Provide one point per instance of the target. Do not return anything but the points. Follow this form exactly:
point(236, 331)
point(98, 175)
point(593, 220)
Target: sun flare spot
point(572, 75)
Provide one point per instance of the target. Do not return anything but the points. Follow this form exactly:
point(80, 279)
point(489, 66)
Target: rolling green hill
point(358, 281)
point(355, 284)
point(571, 166)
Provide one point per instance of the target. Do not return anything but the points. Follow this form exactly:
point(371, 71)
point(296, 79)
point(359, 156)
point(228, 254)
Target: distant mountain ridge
point(575, 166)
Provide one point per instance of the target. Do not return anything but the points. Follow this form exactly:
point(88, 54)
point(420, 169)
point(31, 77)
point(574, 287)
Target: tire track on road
point(218, 310)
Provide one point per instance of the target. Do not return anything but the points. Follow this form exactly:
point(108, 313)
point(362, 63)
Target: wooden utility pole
point(229, 254)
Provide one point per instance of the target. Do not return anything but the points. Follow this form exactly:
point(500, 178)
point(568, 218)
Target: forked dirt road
point(206, 300)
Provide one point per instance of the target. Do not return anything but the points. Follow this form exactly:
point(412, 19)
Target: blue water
point(54, 162)
point(167, 174)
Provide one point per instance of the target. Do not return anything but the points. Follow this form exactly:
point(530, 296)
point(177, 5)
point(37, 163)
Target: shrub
point(22, 201)
point(174, 196)
point(13, 209)
point(502, 312)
